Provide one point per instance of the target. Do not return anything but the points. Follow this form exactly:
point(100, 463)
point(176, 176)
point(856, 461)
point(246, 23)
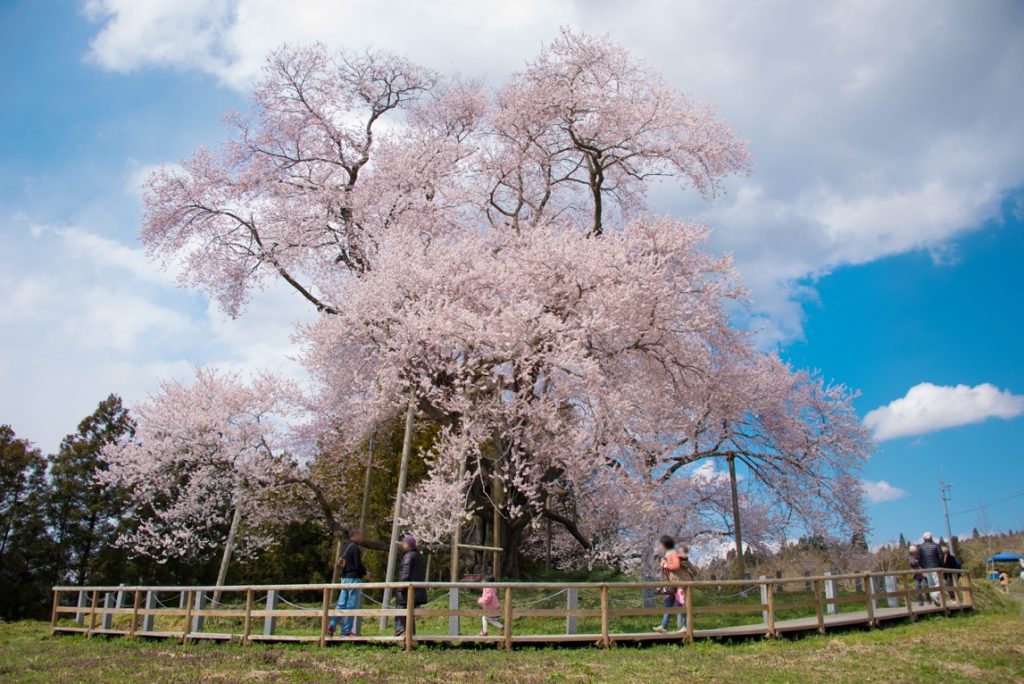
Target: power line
point(993, 503)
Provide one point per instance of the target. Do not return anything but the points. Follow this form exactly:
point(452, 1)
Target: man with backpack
point(352, 572)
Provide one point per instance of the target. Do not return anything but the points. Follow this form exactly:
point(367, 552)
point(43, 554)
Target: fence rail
point(531, 612)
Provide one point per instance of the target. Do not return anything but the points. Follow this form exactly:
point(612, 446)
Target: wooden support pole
point(689, 613)
point(54, 614)
point(968, 590)
point(324, 607)
point(770, 595)
point(869, 592)
point(507, 630)
point(403, 474)
point(247, 620)
point(92, 612)
point(605, 637)
point(136, 602)
point(188, 615)
point(819, 609)
point(410, 616)
point(496, 496)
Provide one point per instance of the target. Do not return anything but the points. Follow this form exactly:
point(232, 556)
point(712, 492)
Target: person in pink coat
point(492, 608)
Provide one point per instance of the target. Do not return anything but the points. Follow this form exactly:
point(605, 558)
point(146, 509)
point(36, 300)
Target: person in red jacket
point(492, 608)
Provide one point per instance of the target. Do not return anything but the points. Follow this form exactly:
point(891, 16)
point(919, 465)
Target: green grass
point(985, 646)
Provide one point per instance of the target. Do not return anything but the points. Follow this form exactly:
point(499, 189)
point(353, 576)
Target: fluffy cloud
point(881, 491)
point(928, 407)
point(876, 128)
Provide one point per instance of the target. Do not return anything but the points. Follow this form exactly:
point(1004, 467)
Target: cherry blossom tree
point(489, 257)
point(203, 468)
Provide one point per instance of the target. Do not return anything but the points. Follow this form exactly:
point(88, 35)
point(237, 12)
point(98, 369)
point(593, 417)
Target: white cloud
point(881, 491)
point(876, 128)
point(928, 407)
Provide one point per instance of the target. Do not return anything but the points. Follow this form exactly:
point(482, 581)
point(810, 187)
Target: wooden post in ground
point(403, 474)
point(769, 591)
point(53, 615)
point(869, 591)
point(572, 602)
point(325, 606)
point(136, 600)
point(689, 613)
point(188, 616)
point(507, 631)
point(410, 607)
point(247, 620)
point(605, 637)
point(968, 590)
point(819, 609)
point(92, 613)
point(907, 597)
point(496, 495)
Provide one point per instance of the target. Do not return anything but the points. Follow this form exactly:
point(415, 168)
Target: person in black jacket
point(949, 562)
point(413, 569)
point(931, 559)
point(352, 572)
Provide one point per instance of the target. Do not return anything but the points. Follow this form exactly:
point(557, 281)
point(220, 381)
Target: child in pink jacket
point(492, 607)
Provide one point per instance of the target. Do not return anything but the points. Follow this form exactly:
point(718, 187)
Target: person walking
point(492, 608)
point(949, 562)
point(675, 565)
point(352, 573)
point(413, 569)
point(931, 560)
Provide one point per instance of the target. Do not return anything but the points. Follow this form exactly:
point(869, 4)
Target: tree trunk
point(740, 566)
point(229, 549)
point(403, 474)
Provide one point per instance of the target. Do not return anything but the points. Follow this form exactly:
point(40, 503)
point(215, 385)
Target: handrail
point(718, 611)
point(501, 585)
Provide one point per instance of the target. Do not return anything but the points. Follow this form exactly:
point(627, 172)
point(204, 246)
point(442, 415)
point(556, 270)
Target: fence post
point(410, 625)
point(120, 596)
point(269, 621)
point(942, 593)
point(889, 582)
point(769, 593)
point(830, 594)
point(92, 612)
point(83, 602)
point(907, 597)
point(188, 617)
point(108, 617)
point(200, 603)
point(605, 639)
point(182, 600)
point(54, 614)
point(149, 620)
point(136, 596)
point(689, 613)
point(572, 601)
point(324, 607)
point(507, 632)
point(763, 586)
point(247, 623)
point(819, 610)
point(453, 604)
point(869, 589)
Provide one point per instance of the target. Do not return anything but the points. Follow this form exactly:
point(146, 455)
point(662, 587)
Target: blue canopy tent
point(1004, 557)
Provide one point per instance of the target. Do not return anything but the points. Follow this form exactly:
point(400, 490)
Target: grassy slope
point(988, 646)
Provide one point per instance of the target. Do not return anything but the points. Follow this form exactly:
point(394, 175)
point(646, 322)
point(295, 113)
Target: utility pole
point(944, 491)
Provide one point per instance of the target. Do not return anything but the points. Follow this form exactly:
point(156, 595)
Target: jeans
point(348, 599)
point(670, 602)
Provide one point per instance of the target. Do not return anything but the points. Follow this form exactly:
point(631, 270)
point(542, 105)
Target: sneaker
point(660, 630)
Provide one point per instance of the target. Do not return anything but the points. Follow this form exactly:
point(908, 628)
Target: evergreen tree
point(86, 517)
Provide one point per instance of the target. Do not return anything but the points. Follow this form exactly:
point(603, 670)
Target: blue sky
point(880, 232)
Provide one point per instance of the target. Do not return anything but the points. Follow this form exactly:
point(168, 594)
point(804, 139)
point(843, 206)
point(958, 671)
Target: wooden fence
point(531, 612)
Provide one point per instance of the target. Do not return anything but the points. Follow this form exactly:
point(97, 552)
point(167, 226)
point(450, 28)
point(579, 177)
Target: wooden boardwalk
point(826, 602)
